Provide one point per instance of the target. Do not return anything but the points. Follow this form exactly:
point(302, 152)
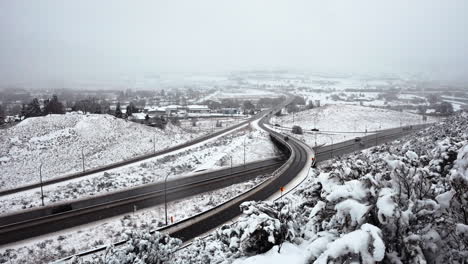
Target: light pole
point(231, 163)
point(82, 158)
point(331, 151)
point(40, 179)
point(244, 151)
point(165, 196)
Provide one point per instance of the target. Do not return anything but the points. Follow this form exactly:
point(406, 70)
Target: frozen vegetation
point(401, 202)
point(211, 155)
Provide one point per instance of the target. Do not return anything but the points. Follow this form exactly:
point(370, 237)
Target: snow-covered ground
point(402, 202)
point(244, 93)
point(212, 154)
point(57, 141)
point(68, 242)
point(341, 122)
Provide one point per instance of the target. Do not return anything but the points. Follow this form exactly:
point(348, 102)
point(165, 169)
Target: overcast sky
point(62, 39)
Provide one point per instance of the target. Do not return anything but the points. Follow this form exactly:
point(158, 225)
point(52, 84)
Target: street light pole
point(331, 151)
point(40, 179)
point(82, 158)
point(244, 152)
point(231, 163)
point(165, 196)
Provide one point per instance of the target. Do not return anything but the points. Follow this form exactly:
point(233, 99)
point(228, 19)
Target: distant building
point(198, 109)
point(230, 111)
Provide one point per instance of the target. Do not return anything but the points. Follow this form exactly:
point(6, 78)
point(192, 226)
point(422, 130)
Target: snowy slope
point(57, 142)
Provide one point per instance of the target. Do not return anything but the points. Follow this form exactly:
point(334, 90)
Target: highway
point(125, 162)
point(203, 223)
point(43, 220)
point(330, 151)
point(297, 156)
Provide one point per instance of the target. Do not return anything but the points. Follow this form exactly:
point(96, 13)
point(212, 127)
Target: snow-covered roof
point(198, 107)
point(155, 109)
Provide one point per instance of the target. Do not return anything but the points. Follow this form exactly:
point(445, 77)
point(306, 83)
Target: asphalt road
point(219, 217)
point(195, 226)
point(43, 220)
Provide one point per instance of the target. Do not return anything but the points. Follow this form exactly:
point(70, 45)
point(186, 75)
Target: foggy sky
point(60, 40)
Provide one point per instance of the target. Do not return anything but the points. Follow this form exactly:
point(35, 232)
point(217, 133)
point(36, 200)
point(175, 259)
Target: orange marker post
point(172, 219)
point(281, 190)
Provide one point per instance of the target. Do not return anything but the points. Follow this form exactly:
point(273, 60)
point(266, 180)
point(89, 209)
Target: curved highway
point(298, 156)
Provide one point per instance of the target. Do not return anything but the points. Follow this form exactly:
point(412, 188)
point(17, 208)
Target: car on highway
point(314, 129)
point(277, 125)
point(357, 139)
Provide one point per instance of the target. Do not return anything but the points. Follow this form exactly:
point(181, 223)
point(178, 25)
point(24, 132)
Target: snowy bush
point(141, 247)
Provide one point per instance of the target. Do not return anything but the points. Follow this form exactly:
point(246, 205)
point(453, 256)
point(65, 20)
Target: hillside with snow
point(57, 141)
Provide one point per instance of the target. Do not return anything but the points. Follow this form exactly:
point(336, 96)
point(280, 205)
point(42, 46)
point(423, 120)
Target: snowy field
point(245, 93)
point(401, 202)
point(57, 141)
point(213, 154)
point(68, 242)
point(338, 123)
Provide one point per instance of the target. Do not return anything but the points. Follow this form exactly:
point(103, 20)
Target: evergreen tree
point(131, 108)
point(118, 112)
point(2, 115)
point(33, 109)
point(53, 106)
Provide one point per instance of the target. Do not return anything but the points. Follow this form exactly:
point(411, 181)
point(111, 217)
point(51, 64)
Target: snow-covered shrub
point(141, 247)
point(262, 226)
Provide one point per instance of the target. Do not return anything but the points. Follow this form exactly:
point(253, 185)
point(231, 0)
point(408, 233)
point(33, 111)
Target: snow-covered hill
point(57, 141)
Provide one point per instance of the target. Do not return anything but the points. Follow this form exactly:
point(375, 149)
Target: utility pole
point(231, 163)
point(331, 151)
point(40, 179)
point(82, 158)
point(165, 196)
point(244, 152)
